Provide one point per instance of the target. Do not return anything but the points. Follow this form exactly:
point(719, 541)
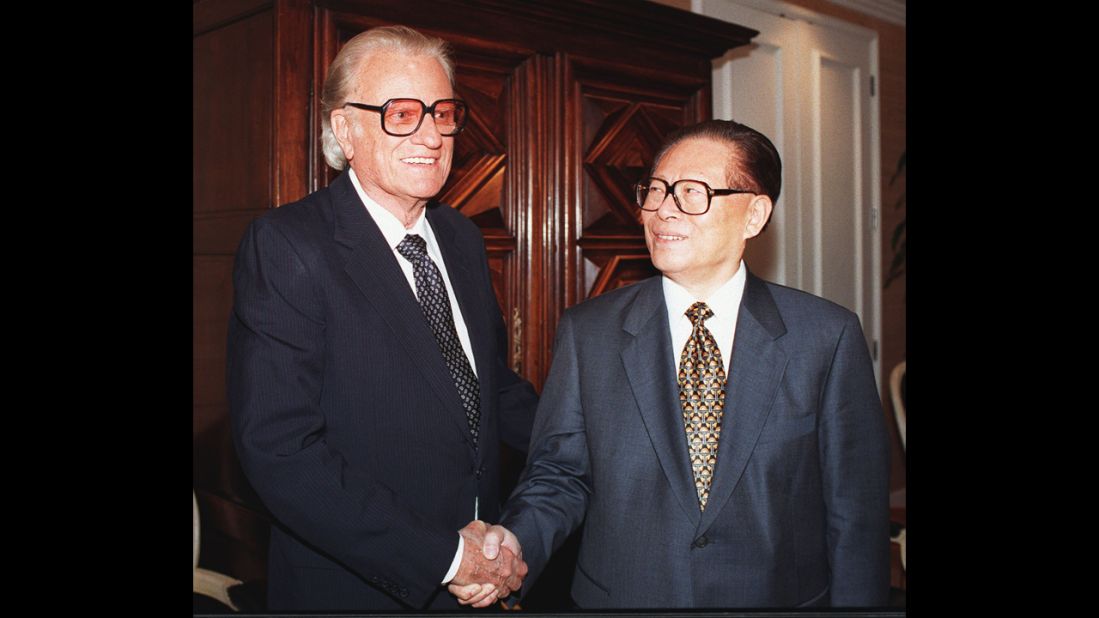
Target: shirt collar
point(724, 300)
point(392, 228)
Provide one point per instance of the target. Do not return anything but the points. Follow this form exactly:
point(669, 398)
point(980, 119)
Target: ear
point(341, 128)
point(759, 213)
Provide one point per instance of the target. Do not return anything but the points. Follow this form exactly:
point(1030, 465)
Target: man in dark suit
point(367, 379)
point(721, 437)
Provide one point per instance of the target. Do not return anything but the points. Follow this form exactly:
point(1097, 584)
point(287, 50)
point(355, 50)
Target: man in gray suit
point(720, 436)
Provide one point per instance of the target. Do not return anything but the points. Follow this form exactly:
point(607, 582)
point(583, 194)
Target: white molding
point(876, 206)
point(791, 11)
point(805, 269)
point(892, 11)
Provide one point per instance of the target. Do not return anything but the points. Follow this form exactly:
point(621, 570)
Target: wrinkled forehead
point(704, 152)
point(391, 74)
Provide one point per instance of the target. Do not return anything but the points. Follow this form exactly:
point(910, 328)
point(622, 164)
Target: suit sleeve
point(276, 372)
point(854, 456)
point(552, 495)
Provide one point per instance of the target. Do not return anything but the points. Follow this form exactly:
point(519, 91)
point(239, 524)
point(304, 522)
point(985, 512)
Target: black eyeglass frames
point(401, 117)
point(692, 197)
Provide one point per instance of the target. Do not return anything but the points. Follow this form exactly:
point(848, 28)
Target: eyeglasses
point(690, 196)
point(401, 117)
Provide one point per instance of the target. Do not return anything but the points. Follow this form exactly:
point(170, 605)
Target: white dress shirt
point(394, 231)
point(724, 302)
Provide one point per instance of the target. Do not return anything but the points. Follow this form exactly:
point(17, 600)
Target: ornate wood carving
point(622, 113)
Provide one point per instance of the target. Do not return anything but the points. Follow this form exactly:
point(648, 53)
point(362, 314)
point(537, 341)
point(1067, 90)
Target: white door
point(807, 86)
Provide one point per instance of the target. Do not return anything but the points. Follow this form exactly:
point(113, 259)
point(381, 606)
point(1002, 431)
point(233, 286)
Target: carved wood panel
point(622, 113)
point(231, 185)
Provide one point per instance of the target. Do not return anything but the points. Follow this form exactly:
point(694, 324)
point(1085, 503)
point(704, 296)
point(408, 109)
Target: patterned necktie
point(435, 303)
point(702, 396)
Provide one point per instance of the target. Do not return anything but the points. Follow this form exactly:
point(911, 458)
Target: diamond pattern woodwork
point(622, 134)
point(617, 158)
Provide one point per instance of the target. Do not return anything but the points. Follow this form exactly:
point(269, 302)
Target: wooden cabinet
point(569, 101)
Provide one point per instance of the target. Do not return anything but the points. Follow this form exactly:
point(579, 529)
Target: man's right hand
point(492, 565)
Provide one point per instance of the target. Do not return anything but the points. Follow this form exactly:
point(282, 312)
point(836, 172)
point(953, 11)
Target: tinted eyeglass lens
point(403, 116)
point(450, 116)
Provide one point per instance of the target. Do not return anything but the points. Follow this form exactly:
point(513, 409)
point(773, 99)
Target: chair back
point(896, 380)
point(194, 531)
point(204, 581)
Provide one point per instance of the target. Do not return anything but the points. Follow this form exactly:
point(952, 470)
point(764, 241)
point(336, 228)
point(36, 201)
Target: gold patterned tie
point(702, 396)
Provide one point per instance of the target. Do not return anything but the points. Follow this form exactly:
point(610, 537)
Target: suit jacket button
point(700, 542)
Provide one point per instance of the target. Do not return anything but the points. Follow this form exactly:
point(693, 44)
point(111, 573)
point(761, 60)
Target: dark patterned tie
point(436, 306)
point(702, 396)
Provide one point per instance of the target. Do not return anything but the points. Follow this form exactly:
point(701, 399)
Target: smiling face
point(400, 173)
point(702, 252)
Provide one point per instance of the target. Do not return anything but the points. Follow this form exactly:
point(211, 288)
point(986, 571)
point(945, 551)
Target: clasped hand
point(492, 565)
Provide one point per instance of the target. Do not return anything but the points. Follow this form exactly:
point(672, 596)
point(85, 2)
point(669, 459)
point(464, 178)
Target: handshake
point(492, 565)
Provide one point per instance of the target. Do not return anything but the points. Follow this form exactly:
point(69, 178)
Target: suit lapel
point(374, 269)
point(648, 363)
point(756, 370)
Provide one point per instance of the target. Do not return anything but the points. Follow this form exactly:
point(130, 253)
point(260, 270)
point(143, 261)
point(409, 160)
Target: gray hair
point(343, 73)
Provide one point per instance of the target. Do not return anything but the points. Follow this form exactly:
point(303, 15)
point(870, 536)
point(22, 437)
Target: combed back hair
point(754, 163)
point(344, 72)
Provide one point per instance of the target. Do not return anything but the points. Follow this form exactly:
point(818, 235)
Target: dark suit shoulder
point(463, 226)
point(310, 224)
point(613, 304)
point(807, 317)
point(792, 297)
point(451, 214)
point(303, 229)
point(312, 211)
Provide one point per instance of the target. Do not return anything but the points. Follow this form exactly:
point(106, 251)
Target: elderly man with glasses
point(368, 387)
point(720, 437)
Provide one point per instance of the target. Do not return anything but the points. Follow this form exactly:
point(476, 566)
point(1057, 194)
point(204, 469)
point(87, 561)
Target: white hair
point(343, 73)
